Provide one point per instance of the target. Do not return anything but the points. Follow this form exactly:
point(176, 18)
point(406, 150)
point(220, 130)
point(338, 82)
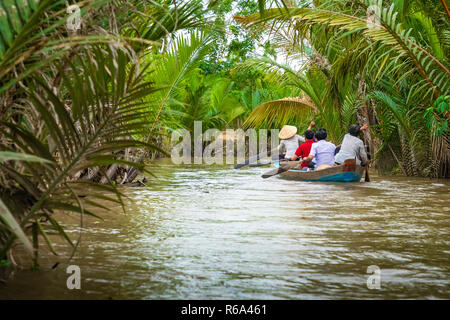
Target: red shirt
point(303, 151)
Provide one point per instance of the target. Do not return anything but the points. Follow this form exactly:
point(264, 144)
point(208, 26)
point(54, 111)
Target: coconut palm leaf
point(8, 156)
point(106, 111)
point(389, 32)
point(279, 112)
point(33, 34)
point(185, 55)
point(286, 75)
point(10, 222)
point(348, 111)
point(222, 99)
point(402, 117)
point(155, 21)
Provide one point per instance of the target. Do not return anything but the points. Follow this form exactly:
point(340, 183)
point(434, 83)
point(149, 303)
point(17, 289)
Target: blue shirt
point(323, 152)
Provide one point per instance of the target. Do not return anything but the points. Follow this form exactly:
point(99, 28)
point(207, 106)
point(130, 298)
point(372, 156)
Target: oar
point(367, 178)
point(260, 164)
point(253, 159)
point(288, 165)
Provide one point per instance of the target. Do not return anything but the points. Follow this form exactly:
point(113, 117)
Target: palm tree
point(404, 45)
point(71, 105)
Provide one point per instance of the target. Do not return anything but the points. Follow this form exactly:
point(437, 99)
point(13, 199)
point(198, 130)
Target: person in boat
point(322, 151)
point(352, 147)
point(304, 149)
point(290, 140)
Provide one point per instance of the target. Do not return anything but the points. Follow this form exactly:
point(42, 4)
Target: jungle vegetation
point(82, 110)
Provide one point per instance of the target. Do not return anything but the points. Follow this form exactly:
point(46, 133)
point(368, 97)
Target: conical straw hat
point(287, 132)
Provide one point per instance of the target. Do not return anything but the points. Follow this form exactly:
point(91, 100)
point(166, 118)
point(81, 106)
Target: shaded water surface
point(219, 233)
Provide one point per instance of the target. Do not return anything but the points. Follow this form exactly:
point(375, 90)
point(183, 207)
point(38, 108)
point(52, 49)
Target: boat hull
point(348, 172)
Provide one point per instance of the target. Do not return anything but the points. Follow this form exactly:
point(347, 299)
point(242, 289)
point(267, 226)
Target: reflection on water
point(219, 233)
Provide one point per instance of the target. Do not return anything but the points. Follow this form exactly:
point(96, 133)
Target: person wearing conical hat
point(290, 140)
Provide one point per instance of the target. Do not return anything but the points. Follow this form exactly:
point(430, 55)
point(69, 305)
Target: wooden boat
point(347, 172)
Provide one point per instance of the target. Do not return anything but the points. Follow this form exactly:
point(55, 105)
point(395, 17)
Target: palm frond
point(174, 66)
point(280, 112)
point(9, 221)
point(389, 32)
point(155, 21)
point(105, 113)
point(33, 34)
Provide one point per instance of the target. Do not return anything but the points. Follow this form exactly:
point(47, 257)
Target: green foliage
point(279, 112)
point(5, 263)
point(437, 116)
point(157, 21)
point(390, 69)
point(171, 68)
point(74, 104)
point(233, 43)
point(33, 34)
point(106, 109)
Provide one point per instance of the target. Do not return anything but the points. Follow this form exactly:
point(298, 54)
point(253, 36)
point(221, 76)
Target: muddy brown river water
point(218, 233)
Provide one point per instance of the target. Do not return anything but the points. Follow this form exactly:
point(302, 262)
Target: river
point(212, 232)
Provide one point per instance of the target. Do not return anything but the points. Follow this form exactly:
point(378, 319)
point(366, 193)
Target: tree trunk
point(367, 115)
point(111, 173)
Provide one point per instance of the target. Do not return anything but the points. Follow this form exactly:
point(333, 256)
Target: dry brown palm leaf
point(278, 112)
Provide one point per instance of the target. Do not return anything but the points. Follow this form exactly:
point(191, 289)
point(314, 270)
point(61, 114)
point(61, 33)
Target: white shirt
point(323, 152)
point(351, 148)
point(291, 145)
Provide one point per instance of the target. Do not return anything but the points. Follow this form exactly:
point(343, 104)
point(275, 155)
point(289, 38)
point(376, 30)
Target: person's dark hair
point(354, 130)
point(309, 134)
point(321, 134)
